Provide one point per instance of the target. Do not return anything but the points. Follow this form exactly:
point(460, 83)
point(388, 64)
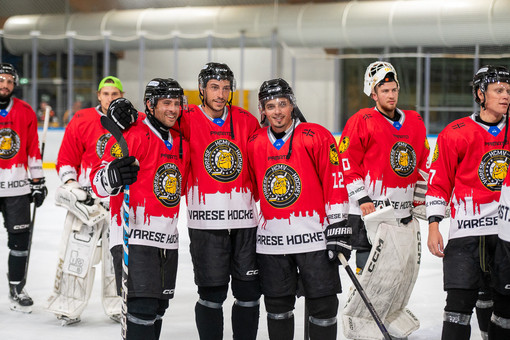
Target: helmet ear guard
point(375, 73)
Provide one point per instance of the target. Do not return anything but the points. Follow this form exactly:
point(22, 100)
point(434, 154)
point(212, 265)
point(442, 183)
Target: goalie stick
point(364, 296)
point(32, 221)
point(112, 127)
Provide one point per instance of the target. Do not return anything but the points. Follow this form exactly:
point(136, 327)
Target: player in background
point(222, 217)
point(156, 186)
point(469, 165)
point(85, 235)
point(19, 156)
point(303, 215)
point(382, 149)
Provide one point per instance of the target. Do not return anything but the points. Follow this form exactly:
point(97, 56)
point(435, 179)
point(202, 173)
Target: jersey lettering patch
point(402, 159)
point(167, 185)
point(493, 168)
point(223, 160)
point(101, 144)
point(281, 186)
point(9, 143)
point(333, 154)
point(344, 144)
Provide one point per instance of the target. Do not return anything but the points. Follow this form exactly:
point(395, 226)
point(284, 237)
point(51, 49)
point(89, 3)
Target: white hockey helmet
point(375, 73)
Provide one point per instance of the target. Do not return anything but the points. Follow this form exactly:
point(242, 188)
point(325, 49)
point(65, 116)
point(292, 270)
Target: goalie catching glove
point(118, 173)
point(80, 203)
point(338, 237)
point(38, 191)
point(122, 112)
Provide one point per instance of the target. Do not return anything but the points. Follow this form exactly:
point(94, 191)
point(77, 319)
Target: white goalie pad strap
point(501, 322)
point(75, 271)
point(72, 197)
point(388, 279)
point(458, 318)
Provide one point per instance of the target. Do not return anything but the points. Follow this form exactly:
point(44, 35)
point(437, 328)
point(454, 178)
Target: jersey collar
point(218, 121)
point(5, 112)
point(278, 143)
point(492, 129)
point(396, 124)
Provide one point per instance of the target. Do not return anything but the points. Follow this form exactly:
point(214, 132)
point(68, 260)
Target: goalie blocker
point(392, 268)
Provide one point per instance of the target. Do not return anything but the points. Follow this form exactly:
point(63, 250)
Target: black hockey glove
point(38, 191)
point(122, 112)
point(122, 171)
point(338, 237)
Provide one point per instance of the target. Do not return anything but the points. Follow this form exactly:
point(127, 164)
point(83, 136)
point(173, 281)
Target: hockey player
point(222, 216)
point(86, 223)
point(382, 148)
point(303, 205)
point(156, 186)
point(469, 165)
point(19, 152)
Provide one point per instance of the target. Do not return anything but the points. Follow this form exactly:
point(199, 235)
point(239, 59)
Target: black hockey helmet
point(218, 71)
point(6, 68)
point(278, 88)
point(163, 88)
point(486, 75)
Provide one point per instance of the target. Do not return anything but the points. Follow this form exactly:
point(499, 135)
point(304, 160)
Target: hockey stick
point(112, 127)
point(32, 221)
point(364, 296)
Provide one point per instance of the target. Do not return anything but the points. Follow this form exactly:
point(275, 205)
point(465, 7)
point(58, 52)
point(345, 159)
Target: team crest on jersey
point(493, 169)
point(101, 144)
point(427, 146)
point(436, 153)
point(116, 151)
point(333, 154)
point(344, 144)
point(223, 160)
point(167, 185)
point(403, 159)
point(281, 186)
point(9, 143)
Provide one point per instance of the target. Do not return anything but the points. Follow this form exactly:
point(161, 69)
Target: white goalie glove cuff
point(80, 203)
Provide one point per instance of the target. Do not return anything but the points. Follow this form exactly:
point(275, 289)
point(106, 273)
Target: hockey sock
point(484, 308)
point(157, 328)
point(455, 331)
point(209, 320)
point(320, 329)
point(16, 265)
point(499, 328)
point(245, 320)
point(139, 331)
point(280, 326)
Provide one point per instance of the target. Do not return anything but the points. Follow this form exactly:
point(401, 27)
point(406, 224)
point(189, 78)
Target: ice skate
point(20, 301)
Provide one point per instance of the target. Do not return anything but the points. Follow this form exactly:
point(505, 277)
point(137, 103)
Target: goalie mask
point(486, 75)
point(6, 68)
point(379, 71)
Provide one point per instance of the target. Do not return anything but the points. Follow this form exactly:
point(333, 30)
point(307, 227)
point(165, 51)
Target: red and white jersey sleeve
point(299, 196)
point(155, 197)
point(468, 168)
point(19, 149)
point(219, 190)
point(82, 147)
point(381, 158)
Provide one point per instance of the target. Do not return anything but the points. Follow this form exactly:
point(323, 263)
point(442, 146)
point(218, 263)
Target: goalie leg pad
point(75, 271)
point(394, 251)
point(111, 301)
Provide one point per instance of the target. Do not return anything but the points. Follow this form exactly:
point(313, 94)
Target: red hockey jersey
point(299, 196)
point(156, 195)
point(19, 149)
point(504, 211)
point(468, 167)
point(381, 158)
point(219, 191)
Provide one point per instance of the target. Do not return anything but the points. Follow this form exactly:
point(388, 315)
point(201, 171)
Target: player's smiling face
point(279, 113)
point(386, 97)
point(216, 94)
point(167, 111)
point(497, 98)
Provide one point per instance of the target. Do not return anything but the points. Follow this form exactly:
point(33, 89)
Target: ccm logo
point(168, 291)
point(252, 272)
